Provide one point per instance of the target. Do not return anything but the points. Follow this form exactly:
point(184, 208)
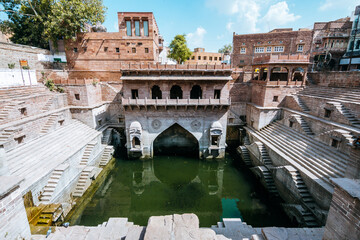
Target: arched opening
point(176, 92)
point(279, 74)
point(263, 74)
point(298, 74)
point(176, 141)
point(196, 92)
point(136, 142)
point(256, 74)
point(156, 92)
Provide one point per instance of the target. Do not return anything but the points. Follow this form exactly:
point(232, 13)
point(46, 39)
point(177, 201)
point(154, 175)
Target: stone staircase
point(304, 125)
point(87, 153)
point(234, 228)
point(269, 181)
point(4, 113)
point(6, 135)
point(311, 157)
point(114, 228)
point(301, 103)
point(333, 94)
point(106, 139)
point(106, 156)
point(53, 181)
point(306, 198)
point(245, 156)
point(49, 124)
point(48, 105)
point(347, 113)
point(84, 182)
point(264, 155)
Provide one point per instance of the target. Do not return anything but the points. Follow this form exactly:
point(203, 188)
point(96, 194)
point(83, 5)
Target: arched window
point(136, 142)
point(196, 92)
point(176, 92)
point(156, 92)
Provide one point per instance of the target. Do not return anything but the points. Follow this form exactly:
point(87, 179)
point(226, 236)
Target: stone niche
point(216, 131)
point(135, 149)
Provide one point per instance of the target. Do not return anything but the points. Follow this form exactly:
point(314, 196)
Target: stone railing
point(271, 59)
point(158, 66)
point(175, 102)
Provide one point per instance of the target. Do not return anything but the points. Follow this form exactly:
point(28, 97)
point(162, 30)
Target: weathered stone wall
point(343, 221)
point(12, 53)
point(84, 95)
point(336, 79)
point(13, 219)
point(95, 116)
point(258, 117)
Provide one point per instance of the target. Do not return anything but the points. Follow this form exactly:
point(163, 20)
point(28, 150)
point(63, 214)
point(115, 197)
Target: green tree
point(226, 48)
point(179, 50)
point(38, 21)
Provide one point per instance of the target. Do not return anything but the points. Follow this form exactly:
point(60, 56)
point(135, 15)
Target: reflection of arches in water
point(156, 92)
point(196, 92)
point(176, 92)
point(177, 141)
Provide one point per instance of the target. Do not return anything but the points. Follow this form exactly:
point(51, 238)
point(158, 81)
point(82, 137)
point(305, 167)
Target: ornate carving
point(156, 124)
point(196, 124)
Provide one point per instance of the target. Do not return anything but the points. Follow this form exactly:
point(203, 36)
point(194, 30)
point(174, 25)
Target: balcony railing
point(272, 59)
point(175, 102)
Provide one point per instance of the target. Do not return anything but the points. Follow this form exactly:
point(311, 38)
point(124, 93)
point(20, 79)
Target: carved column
point(268, 76)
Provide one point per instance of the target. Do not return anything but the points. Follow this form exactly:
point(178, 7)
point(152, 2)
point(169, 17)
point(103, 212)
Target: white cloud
point(245, 15)
point(196, 39)
point(349, 5)
point(279, 14)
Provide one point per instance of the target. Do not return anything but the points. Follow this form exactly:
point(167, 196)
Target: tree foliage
point(179, 50)
point(38, 21)
point(226, 48)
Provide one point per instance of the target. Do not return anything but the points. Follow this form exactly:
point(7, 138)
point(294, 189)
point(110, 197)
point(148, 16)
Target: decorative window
point(193, 58)
point(146, 28)
point(199, 57)
point(217, 93)
point(242, 50)
point(219, 58)
point(268, 49)
point(243, 43)
point(128, 28)
point(300, 48)
point(133, 50)
point(204, 57)
point(210, 58)
point(137, 28)
point(259, 49)
point(215, 58)
point(146, 50)
point(134, 93)
point(278, 49)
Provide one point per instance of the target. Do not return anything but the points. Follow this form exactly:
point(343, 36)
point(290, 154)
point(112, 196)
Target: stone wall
point(335, 79)
point(343, 221)
point(17, 77)
point(258, 117)
point(13, 219)
point(12, 53)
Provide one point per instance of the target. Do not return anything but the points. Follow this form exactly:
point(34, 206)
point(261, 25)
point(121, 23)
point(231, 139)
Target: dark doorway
point(176, 141)
point(176, 92)
point(196, 92)
point(156, 92)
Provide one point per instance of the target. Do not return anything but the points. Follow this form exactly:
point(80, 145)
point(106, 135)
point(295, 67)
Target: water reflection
point(167, 185)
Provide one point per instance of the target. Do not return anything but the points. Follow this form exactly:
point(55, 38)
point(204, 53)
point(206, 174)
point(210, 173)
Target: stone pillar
point(304, 77)
point(353, 167)
point(268, 74)
point(344, 214)
point(290, 75)
point(252, 73)
point(3, 163)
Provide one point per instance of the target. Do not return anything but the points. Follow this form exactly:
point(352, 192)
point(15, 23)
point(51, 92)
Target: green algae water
point(170, 184)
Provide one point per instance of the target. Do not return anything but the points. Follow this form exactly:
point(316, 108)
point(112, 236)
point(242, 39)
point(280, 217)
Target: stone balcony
point(175, 103)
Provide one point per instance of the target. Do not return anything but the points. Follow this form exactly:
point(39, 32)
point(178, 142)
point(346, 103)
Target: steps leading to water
point(106, 139)
point(244, 153)
point(53, 181)
point(304, 125)
point(106, 156)
point(311, 157)
point(346, 113)
point(333, 94)
point(301, 103)
point(84, 182)
point(87, 153)
point(49, 124)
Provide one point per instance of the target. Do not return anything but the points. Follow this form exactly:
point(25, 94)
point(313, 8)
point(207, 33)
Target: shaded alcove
point(196, 92)
point(156, 92)
point(176, 92)
point(176, 141)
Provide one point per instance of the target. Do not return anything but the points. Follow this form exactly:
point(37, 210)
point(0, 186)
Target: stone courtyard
point(296, 130)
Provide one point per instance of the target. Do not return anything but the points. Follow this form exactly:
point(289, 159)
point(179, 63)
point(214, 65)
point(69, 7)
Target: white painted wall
point(17, 77)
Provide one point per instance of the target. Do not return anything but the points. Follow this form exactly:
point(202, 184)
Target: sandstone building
point(138, 39)
point(199, 56)
point(276, 42)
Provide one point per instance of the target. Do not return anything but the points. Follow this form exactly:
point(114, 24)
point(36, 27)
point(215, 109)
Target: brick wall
point(288, 39)
point(335, 79)
point(12, 53)
point(343, 221)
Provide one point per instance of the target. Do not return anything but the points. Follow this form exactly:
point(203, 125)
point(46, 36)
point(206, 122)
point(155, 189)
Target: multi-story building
point(330, 42)
point(352, 55)
point(246, 47)
point(138, 39)
point(199, 56)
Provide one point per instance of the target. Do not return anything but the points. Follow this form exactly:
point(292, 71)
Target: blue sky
point(211, 23)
